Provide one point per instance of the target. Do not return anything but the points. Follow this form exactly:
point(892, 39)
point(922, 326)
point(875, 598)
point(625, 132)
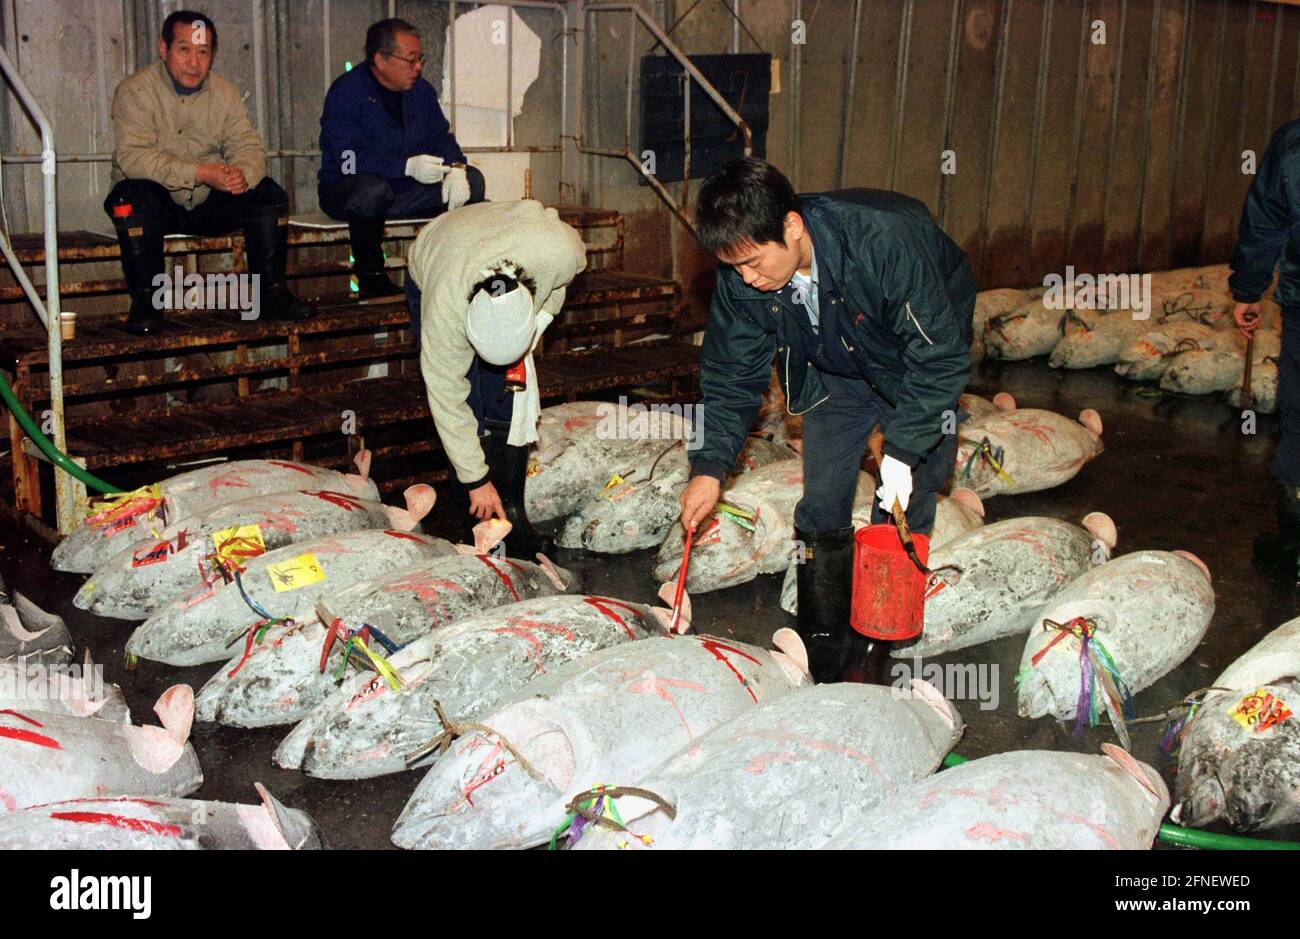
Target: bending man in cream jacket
point(483, 283)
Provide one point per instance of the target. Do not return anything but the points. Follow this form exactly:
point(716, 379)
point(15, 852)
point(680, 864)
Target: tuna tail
point(284, 832)
point(792, 657)
point(360, 480)
point(419, 500)
point(668, 594)
point(1101, 527)
point(1149, 781)
point(565, 581)
point(489, 533)
point(1091, 420)
point(968, 498)
point(1197, 561)
point(157, 749)
point(1004, 402)
point(940, 705)
point(74, 693)
point(24, 609)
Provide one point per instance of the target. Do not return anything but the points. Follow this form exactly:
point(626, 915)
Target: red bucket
point(888, 589)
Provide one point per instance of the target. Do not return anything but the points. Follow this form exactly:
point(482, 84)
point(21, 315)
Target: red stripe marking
point(27, 736)
point(505, 578)
point(22, 717)
point(714, 646)
point(517, 566)
point(599, 603)
point(403, 534)
point(125, 800)
point(336, 498)
point(119, 821)
point(292, 466)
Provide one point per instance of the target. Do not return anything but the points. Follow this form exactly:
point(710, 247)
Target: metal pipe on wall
point(995, 133)
point(1036, 134)
point(900, 87)
point(325, 43)
point(796, 100)
point(949, 96)
point(1146, 132)
point(847, 127)
point(1114, 121)
point(259, 65)
point(129, 37)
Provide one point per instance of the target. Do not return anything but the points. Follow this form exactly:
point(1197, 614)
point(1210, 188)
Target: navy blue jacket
point(354, 119)
point(894, 290)
point(1270, 224)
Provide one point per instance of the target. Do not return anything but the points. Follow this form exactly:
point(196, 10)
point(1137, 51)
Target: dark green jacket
point(901, 295)
point(1269, 224)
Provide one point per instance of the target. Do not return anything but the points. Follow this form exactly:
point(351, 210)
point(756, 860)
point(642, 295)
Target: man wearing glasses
point(387, 151)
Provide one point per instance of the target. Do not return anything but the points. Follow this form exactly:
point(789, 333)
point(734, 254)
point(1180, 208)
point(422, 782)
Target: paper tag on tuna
point(236, 545)
point(295, 572)
point(1259, 710)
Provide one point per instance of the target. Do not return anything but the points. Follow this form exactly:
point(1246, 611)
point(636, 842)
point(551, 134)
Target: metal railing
point(637, 15)
point(48, 310)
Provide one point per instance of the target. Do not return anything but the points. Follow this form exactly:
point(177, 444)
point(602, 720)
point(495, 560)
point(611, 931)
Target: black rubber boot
point(373, 281)
point(266, 243)
point(867, 659)
point(142, 261)
point(508, 470)
point(825, 585)
point(1279, 552)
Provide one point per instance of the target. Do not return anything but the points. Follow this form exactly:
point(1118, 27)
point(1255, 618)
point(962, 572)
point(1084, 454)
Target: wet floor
point(1177, 473)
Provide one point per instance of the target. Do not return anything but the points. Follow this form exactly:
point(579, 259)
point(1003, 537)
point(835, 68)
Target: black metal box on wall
point(743, 81)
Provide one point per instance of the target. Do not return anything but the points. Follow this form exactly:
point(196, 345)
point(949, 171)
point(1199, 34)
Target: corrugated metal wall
point(1120, 155)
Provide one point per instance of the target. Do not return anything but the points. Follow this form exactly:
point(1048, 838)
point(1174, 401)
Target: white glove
point(426, 169)
point(455, 188)
point(895, 483)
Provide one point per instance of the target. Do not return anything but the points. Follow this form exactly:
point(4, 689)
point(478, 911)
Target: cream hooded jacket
point(445, 262)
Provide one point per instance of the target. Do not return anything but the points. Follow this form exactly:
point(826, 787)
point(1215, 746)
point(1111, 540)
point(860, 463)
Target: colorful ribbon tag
point(1259, 711)
point(234, 546)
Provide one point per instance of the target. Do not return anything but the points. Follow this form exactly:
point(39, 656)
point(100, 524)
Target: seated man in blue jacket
point(866, 305)
point(387, 151)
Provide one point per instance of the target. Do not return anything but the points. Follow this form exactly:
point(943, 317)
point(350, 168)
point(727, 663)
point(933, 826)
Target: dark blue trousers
point(834, 440)
point(1286, 461)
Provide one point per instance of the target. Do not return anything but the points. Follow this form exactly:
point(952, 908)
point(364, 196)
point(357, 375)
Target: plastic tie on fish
point(121, 509)
point(1100, 683)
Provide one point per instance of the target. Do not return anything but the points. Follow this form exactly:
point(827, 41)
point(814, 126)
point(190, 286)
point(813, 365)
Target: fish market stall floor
point(1177, 473)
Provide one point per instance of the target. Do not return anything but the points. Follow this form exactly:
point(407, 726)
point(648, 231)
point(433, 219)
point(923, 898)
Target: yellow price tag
point(1259, 710)
point(236, 545)
point(295, 572)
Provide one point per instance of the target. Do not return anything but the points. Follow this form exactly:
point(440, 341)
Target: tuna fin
point(360, 480)
point(969, 499)
point(157, 749)
point(465, 549)
point(15, 625)
point(1102, 527)
point(668, 593)
point(1197, 561)
point(269, 823)
point(1004, 402)
point(934, 697)
point(488, 534)
point(797, 676)
point(1126, 762)
point(791, 643)
point(419, 500)
point(1092, 421)
point(553, 573)
point(74, 691)
point(25, 610)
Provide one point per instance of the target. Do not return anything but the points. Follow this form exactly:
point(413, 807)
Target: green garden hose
point(55, 455)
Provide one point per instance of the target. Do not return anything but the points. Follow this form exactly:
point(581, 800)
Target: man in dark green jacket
point(866, 305)
point(1269, 232)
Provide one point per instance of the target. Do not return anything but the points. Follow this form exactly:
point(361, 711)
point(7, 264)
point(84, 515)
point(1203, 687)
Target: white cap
point(501, 328)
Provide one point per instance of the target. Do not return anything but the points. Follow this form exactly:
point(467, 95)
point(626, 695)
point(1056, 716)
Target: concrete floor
point(1177, 473)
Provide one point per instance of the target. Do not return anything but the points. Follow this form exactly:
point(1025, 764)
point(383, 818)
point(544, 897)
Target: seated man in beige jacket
point(188, 160)
point(483, 282)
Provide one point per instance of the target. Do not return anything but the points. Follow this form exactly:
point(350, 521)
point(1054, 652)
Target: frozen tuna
point(1024, 800)
point(200, 625)
point(366, 728)
point(139, 581)
point(279, 679)
point(1140, 615)
point(1023, 333)
point(158, 823)
point(1145, 357)
point(1205, 371)
point(33, 686)
point(27, 631)
point(636, 513)
point(586, 447)
point(1024, 449)
point(1240, 753)
point(993, 581)
point(796, 770)
point(615, 715)
point(1263, 386)
point(1100, 343)
point(52, 758)
point(125, 521)
point(730, 549)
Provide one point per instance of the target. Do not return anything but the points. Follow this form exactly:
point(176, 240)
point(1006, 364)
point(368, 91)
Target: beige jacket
point(164, 136)
point(445, 262)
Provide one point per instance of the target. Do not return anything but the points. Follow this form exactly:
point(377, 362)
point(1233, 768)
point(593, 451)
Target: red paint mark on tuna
point(600, 604)
point(716, 648)
point(8, 801)
point(526, 629)
point(505, 578)
point(30, 736)
point(404, 534)
point(372, 689)
point(576, 423)
point(1096, 829)
point(226, 481)
point(22, 717)
point(426, 591)
point(343, 501)
point(762, 761)
point(493, 765)
point(661, 688)
point(282, 520)
point(987, 831)
point(142, 825)
point(293, 466)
